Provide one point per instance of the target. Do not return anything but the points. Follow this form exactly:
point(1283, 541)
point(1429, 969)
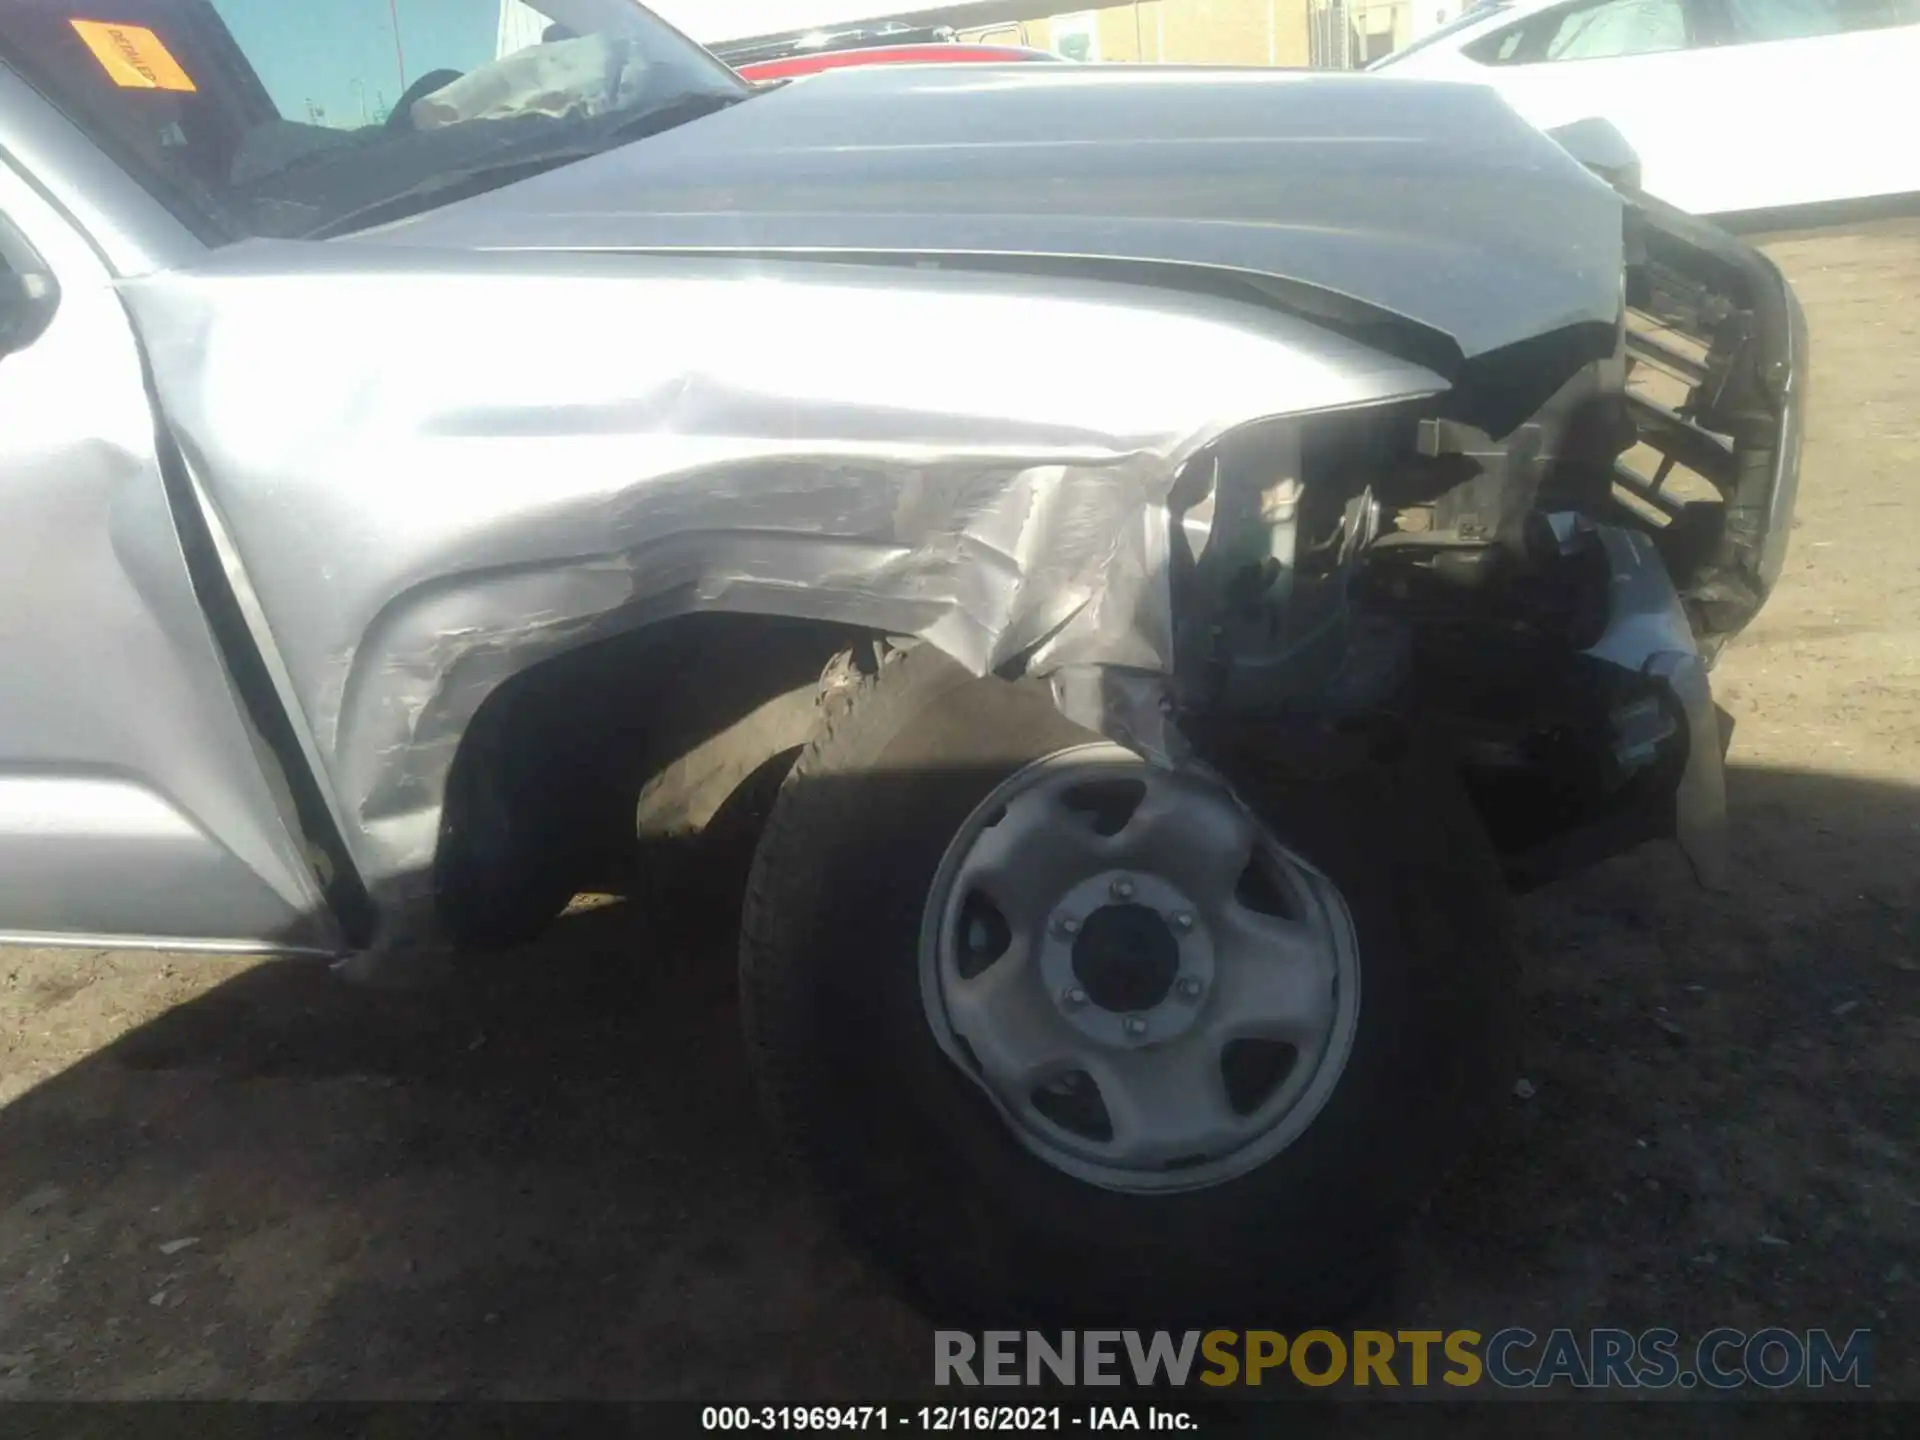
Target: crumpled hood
point(1433, 201)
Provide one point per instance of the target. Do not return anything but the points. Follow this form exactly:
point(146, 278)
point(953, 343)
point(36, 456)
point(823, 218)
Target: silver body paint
point(844, 352)
point(423, 517)
point(133, 806)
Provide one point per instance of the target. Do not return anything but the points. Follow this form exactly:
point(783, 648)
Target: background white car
point(1733, 105)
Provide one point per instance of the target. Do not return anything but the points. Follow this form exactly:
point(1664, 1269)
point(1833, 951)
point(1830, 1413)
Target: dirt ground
point(223, 1178)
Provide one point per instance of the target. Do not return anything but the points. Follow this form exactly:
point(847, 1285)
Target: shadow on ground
point(550, 1179)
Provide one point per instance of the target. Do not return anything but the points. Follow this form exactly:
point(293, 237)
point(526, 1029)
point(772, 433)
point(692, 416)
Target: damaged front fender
point(435, 472)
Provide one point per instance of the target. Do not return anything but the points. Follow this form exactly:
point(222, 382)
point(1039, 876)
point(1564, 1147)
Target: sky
point(340, 55)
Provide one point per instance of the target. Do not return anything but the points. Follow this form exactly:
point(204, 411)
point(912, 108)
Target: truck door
point(135, 802)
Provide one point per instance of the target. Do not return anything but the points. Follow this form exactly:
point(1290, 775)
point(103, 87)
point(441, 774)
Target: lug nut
point(1135, 1026)
point(1122, 889)
point(1066, 925)
point(1073, 997)
point(1189, 988)
point(1182, 921)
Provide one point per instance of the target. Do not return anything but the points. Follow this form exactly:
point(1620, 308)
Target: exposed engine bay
point(1239, 429)
point(1148, 557)
point(1550, 596)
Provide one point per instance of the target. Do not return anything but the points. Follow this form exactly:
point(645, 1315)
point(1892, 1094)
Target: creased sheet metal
point(1434, 201)
point(1648, 633)
point(438, 470)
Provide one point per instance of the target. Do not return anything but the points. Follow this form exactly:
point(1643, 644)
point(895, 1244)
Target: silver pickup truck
point(1153, 555)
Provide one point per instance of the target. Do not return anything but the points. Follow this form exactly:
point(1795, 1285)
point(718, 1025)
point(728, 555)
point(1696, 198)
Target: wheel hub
point(1095, 958)
point(1127, 957)
point(1124, 961)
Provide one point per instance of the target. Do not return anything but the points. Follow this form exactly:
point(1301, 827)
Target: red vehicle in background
point(784, 57)
point(787, 67)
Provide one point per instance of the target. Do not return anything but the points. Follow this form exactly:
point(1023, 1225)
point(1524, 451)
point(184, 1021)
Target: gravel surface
point(225, 1178)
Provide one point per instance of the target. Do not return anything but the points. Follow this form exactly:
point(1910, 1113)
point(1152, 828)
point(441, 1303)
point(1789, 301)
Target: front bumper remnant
point(1647, 633)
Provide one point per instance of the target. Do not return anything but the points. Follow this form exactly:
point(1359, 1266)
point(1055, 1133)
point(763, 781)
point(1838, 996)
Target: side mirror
point(27, 302)
point(1602, 149)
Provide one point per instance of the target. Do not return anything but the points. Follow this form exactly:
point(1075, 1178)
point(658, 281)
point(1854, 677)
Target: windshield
point(265, 117)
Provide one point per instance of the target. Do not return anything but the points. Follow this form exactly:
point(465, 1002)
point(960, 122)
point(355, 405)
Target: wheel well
point(542, 795)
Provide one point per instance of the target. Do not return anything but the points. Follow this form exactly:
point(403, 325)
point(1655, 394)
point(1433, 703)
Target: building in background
point(1199, 32)
point(1338, 34)
point(1174, 32)
point(1341, 34)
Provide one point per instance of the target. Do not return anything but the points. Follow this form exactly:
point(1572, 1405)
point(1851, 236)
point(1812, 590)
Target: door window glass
point(1752, 21)
point(1594, 30)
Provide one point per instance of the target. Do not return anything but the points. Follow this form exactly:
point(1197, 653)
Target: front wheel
point(1066, 1034)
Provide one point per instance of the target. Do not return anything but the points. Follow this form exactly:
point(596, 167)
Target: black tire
point(919, 1165)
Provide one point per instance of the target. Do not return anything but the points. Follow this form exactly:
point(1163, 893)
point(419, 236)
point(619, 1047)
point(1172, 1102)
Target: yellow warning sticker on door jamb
point(133, 56)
